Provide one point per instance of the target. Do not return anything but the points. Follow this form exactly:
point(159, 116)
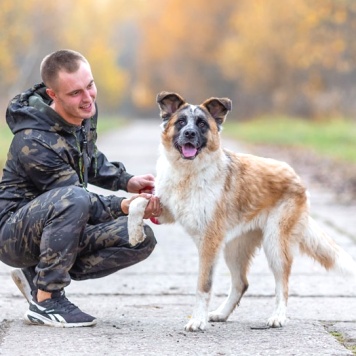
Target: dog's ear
point(218, 108)
point(169, 103)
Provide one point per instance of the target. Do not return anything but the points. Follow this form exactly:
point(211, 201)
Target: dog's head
point(191, 128)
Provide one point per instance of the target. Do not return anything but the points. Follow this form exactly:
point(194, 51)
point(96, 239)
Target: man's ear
point(218, 108)
point(169, 103)
point(50, 93)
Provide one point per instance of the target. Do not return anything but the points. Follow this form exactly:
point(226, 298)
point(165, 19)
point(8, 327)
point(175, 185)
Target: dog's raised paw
point(137, 236)
point(135, 221)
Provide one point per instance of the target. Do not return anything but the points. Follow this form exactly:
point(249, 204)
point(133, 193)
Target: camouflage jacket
point(46, 153)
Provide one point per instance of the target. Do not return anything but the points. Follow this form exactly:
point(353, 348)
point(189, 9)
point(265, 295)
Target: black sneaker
point(23, 278)
point(57, 311)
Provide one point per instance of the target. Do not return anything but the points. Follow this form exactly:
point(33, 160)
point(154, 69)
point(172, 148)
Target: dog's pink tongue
point(189, 151)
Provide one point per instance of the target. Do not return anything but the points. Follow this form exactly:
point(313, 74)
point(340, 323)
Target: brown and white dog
point(231, 201)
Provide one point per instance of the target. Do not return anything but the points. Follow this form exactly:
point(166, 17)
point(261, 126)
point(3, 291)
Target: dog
point(231, 201)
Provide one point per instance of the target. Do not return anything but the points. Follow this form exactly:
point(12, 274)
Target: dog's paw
point(137, 235)
point(215, 316)
point(195, 325)
point(135, 221)
point(276, 321)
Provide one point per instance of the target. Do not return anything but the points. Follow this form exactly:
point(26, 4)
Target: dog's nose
point(189, 134)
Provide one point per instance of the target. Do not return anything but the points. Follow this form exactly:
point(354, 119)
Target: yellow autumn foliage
point(295, 56)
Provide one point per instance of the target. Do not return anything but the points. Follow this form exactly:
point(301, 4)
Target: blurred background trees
point(295, 57)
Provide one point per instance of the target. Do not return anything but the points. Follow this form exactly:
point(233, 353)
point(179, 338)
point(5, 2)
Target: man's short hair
point(64, 59)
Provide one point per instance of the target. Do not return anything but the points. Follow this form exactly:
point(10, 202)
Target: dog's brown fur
point(233, 201)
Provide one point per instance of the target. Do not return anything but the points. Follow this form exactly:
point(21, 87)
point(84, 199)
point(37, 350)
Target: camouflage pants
point(51, 233)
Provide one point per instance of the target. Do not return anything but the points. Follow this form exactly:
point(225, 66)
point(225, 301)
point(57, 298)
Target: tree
point(291, 56)
point(35, 28)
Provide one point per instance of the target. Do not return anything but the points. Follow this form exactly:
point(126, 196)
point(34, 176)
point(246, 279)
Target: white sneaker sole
point(22, 283)
point(33, 318)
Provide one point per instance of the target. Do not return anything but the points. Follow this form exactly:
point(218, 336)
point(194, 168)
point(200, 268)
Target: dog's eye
point(181, 122)
point(201, 123)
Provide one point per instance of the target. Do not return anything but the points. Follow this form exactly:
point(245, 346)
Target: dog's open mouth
point(189, 151)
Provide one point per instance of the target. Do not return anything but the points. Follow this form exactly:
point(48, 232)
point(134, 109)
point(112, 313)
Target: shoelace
point(64, 303)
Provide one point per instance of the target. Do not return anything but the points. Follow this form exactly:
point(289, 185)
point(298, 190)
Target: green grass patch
point(5, 140)
point(340, 338)
point(333, 138)
point(107, 123)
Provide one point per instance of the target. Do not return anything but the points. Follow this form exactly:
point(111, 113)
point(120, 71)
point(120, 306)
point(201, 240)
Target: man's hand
point(141, 184)
point(153, 208)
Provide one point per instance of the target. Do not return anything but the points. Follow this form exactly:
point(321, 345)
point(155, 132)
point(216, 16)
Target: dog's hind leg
point(277, 248)
point(238, 254)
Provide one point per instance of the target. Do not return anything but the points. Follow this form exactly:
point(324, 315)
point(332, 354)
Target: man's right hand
point(153, 208)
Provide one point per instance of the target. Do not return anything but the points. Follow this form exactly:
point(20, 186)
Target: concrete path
point(142, 310)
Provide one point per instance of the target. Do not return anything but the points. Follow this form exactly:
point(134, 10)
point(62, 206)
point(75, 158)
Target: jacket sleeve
point(104, 208)
point(108, 175)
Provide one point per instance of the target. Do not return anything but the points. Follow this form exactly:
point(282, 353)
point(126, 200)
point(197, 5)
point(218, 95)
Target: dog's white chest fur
point(191, 202)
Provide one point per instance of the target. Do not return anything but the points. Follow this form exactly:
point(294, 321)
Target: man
point(51, 227)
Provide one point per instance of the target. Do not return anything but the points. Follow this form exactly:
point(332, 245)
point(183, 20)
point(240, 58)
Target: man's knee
point(74, 199)
point(78, 196)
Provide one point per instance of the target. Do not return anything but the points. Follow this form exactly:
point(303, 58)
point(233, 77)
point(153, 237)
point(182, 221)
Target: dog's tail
point(318, 245)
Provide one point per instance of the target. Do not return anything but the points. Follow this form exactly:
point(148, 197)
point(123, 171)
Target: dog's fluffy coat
point(233, 201)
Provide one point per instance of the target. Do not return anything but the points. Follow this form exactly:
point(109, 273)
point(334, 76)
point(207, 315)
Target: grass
point(340, 338)
point(333, 138)
point(105, 124)
point(5, 139)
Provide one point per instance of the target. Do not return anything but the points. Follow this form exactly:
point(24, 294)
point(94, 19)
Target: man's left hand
point(141, 184)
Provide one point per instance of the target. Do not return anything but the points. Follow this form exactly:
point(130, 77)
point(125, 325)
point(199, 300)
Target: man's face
point(74, 95)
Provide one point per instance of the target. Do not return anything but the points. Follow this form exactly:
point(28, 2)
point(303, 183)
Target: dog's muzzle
point(188, 143)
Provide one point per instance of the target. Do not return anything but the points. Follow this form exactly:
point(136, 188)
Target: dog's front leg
point(135, 220)
point(207, 257)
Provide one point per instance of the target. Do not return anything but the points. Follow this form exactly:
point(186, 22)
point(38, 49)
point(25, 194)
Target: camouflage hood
point(31, 110)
